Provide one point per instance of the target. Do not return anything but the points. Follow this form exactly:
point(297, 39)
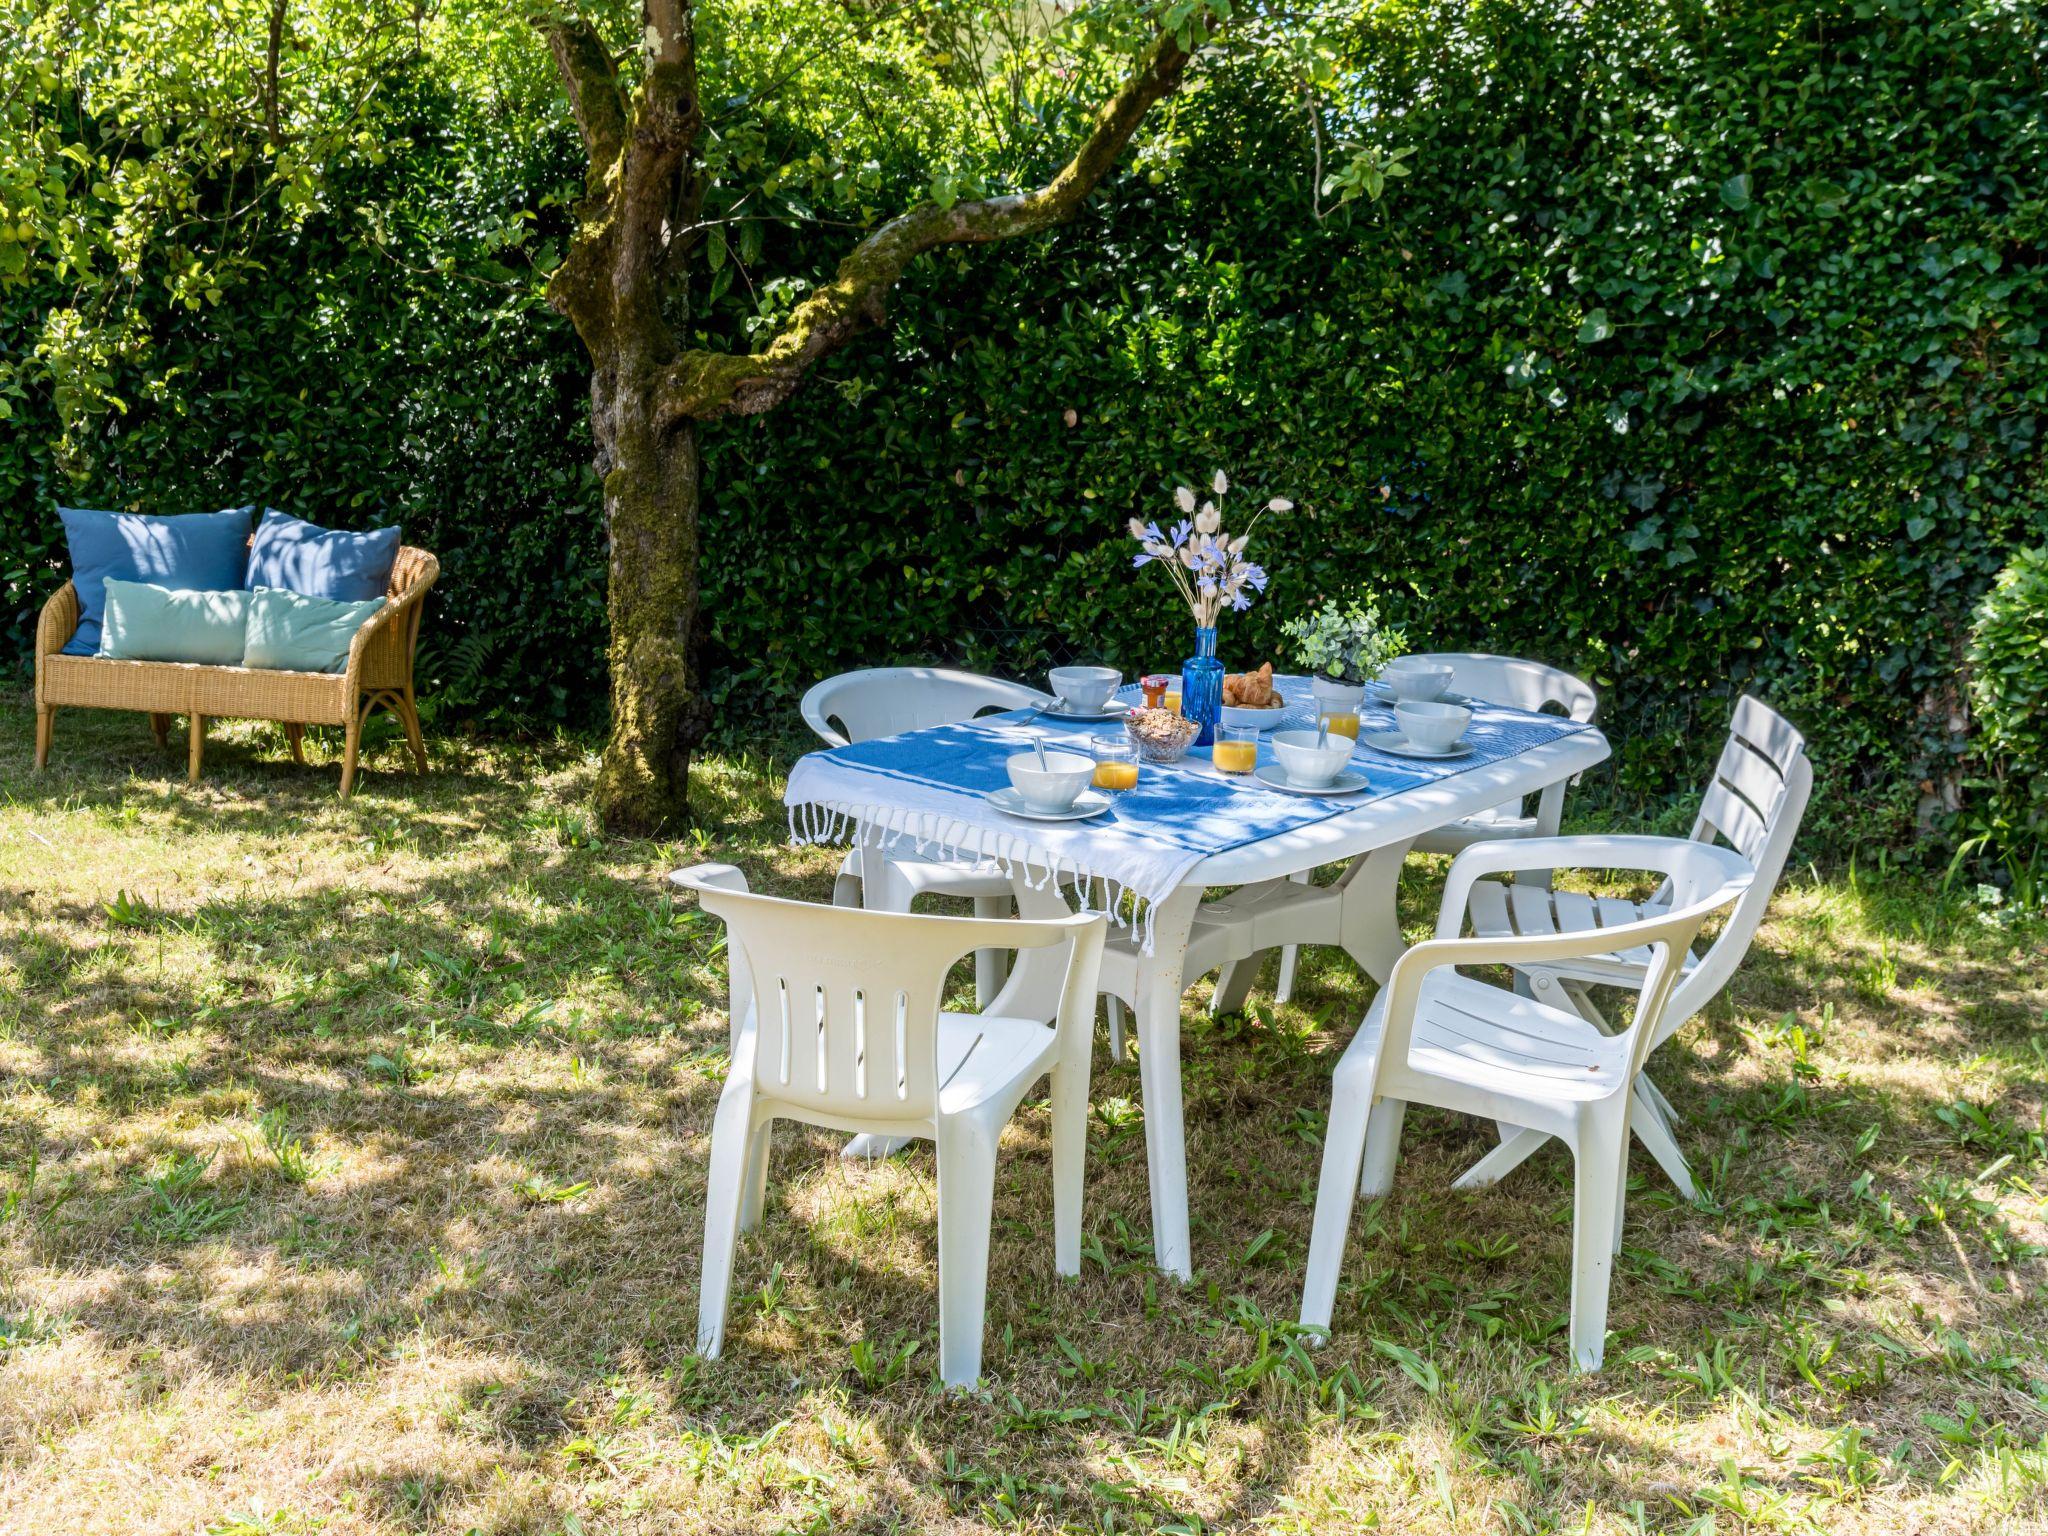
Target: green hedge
point(1701, 352)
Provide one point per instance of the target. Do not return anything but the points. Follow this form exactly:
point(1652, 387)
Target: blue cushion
point(198, 552)
point(289, 632)
point(296, 556)
point(145, 622)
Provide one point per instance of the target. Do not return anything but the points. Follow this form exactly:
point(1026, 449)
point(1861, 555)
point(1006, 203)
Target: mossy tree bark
point(627, 269)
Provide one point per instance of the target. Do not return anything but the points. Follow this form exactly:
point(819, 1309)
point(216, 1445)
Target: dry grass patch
point(351, 1174)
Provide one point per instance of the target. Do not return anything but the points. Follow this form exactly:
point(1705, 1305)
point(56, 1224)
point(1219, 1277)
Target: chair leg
point(351, 744)
point(1234, 981)
point(846, 884)
point(160, 727)
point(409, 717)
point(1343, 1152)
point(46, 726)
point(1655, 1134)
point(1514, 1150)
point(760, 1148)
point(991, 966)
point(1114, 1007)
point(725, 1193)
point(1283, 989)
point(967, 1189)
point(1601, 1165)
point(295, 738)
point(1069, 1162)
point(1382, 1148)
point(197, 751)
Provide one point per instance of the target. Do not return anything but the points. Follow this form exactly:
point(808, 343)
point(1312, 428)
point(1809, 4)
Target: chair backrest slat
point(886, 701)
point(1756, 799)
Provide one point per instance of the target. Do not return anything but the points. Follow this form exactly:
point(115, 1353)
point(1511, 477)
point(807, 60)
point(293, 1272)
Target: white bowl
point(1412, 678)
point(1057, 785)
point(1084, 690)
point(1305, 763)
point(1431, 726)
point(1254, 718)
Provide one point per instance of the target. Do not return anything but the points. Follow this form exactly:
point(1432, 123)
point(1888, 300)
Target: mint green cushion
point(288, 632)
point(144, 622)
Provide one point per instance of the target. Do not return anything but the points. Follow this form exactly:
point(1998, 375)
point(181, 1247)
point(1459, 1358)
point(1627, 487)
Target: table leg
point(1371, 912)
point(1160, 984)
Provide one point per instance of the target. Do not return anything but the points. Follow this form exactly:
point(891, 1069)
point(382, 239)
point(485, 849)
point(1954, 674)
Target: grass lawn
point(351, 1174)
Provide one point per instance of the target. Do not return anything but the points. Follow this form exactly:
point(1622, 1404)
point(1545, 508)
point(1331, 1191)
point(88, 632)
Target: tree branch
point(273, 46)
point(705, 385)
point(592, 83)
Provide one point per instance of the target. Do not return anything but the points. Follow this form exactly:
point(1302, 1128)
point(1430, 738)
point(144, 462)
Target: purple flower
point(1256, 575)
point(1239, 602)
point(1152, 533)
point(1181, 530)
point(1138, 560)
point(1206, 586)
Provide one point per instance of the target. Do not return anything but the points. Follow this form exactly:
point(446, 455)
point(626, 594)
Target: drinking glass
point(1237, 749)
point(1116, 765)
point(1341, 722)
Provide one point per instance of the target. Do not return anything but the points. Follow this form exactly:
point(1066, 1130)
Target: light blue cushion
point(289, 632)
point(297, 556)
point(198, 552)
point(145, 622)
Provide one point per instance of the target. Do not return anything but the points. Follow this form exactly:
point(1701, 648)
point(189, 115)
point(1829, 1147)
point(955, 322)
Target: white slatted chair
point(845, 1031)
point(884, 701)
point(1434, 1036)
point(1754, 803)
point(1529, 685)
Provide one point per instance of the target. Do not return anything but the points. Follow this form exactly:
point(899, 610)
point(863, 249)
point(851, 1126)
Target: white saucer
point(1274, 777)
point(1091, 802)
point(1394, 744)
point(1115, 709)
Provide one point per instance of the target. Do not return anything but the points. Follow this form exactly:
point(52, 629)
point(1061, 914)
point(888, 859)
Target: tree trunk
point(651, 479)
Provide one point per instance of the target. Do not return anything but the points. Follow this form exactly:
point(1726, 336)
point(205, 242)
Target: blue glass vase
point(1201, 686)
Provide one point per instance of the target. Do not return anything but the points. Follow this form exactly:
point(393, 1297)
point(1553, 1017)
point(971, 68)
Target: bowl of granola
point(1160, 735)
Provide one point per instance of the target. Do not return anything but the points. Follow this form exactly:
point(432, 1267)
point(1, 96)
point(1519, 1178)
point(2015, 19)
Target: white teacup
point(1432, 726)
point(1307, 764)
point(1057, 785)
point(1085, 690)
point(1412, 678)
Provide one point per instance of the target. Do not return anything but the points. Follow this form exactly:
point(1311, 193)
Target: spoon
point(1043, 765)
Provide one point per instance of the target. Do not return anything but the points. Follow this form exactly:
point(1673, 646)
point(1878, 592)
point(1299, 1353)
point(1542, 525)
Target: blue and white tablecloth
point(928, 790)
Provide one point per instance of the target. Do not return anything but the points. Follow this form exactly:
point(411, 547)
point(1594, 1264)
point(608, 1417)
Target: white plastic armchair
point(884, 701)
point(1434, 1036)
point(1529, 685)
point(1754, 802)
point(845, 1031)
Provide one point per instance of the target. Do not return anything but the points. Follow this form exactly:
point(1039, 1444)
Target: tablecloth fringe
point(934, 836)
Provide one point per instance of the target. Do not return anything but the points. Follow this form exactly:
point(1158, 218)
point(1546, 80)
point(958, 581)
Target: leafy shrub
point(2009, 688)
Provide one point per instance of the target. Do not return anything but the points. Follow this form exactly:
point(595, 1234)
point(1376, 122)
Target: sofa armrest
point(384, 646)
point(59, 621)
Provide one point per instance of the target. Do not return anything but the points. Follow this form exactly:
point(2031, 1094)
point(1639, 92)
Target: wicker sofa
point(379, 673)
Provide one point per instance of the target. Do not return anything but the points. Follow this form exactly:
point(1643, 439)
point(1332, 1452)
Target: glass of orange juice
point(1173, 700)
point(1236, 749)
point(1341, 722)
point(1116, 766)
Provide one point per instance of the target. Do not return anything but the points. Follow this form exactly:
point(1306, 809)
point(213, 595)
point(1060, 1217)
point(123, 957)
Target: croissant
point(1250, 690)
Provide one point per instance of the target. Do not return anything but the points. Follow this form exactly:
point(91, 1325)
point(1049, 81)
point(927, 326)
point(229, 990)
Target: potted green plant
point(1342, 645)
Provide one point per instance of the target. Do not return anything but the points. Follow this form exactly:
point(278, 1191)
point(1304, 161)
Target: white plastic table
point(1358, 913)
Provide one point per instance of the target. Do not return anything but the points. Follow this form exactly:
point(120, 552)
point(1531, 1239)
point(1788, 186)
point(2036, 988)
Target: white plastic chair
point(845, 1031)
point(1520, 684)
point(1433, 1036)
point(885, 701)
point(1754, 803)
point(1529, 685)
